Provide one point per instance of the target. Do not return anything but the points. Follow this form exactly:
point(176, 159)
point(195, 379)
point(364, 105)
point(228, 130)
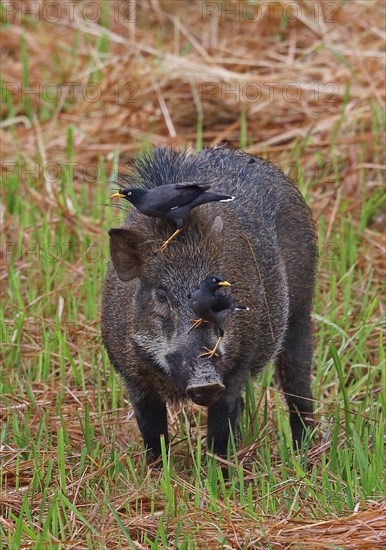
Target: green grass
point(72, 470)
point(68, 442)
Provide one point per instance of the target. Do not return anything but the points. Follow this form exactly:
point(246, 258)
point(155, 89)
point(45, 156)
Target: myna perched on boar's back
point(211, 307)
point(172, 201)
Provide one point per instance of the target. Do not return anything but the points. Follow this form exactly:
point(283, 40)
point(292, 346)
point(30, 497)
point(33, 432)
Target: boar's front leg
point(224, 415)
point(151, 415)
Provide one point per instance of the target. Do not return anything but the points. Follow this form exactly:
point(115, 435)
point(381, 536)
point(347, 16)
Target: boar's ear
point(217, 227)
point(124, 250)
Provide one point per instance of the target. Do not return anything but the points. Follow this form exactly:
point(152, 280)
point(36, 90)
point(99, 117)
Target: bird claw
point(212, 352)
point(165, 244)
point(209, 352)
point(196, 323)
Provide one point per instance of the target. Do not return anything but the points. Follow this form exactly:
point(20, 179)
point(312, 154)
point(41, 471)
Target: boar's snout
point(205, 384)
point(205, 394)
point(199, 378)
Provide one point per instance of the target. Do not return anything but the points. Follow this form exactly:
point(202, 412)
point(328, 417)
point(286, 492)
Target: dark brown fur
point(264, 242)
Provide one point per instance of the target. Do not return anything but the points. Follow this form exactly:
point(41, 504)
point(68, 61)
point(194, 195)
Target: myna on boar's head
point(172, 202)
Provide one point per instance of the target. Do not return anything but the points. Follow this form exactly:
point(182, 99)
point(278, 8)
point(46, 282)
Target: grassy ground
point(107, 85)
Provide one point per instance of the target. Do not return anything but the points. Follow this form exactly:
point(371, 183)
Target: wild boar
point(264, 242)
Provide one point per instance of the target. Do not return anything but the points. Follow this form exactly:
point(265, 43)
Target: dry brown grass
point(172, 67)
point(228, 61)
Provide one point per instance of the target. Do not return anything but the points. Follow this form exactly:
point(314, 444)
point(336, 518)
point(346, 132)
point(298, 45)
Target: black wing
point(167, 197)
point(221, 302)
point(185, 184)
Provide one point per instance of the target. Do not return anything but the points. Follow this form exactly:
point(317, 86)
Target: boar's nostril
point(205, 394)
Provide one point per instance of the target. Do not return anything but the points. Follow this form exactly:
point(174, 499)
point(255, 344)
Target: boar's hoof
point(205, 394)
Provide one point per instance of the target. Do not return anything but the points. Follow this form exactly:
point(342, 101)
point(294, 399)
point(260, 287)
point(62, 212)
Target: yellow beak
point(224, 283)
point(119, 195)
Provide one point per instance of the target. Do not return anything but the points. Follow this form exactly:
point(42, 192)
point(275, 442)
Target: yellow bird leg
point(196, 323)
point(210, 352)
point(169, 239)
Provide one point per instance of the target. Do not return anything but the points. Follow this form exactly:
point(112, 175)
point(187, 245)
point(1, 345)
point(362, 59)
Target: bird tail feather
point(241, 308)
point(216, 197)
point(228, 199)
point(212, 197)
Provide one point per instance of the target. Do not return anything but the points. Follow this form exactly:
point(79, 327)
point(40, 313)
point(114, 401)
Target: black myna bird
point(172, 201)
point(211, 307)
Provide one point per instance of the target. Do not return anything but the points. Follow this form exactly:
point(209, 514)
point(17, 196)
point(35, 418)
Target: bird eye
point(214, 281)
point(129, 193)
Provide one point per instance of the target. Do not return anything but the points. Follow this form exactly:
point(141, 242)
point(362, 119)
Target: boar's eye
point(161, 296)
point(161, 306)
